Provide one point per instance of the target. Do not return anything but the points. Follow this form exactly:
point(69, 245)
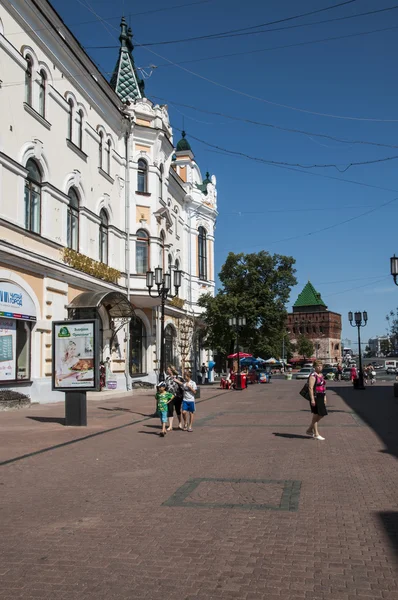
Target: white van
point(391, 363)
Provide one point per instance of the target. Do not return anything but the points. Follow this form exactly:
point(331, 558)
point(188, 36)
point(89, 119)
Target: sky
point(339, 222)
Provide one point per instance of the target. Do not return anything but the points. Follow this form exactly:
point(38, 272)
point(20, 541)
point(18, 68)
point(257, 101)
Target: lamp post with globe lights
point(359, 320)
point(163, 291)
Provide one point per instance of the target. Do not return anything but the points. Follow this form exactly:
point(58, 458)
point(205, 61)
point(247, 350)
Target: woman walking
point(176, 388)
point(317, 388)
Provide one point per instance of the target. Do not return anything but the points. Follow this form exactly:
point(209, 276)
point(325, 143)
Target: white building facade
point(93, 193)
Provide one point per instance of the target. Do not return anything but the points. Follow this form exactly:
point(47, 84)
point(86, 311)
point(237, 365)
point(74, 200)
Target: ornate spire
point(125, 80)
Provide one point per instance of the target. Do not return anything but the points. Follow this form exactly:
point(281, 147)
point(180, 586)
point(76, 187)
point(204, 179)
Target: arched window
point(73, 220)
point(70, 126)
point(162, 250)
point(161, 173)
point(170, 265)
point(142, 176)
point(28, 80)
point(169, 336)
point(100, 148)
point(142, 252)
point(137, 347)
point(32, 197)
point(79, 118)
point(42, 93)
point(108, 157)
point(103, 237)
point(202, 253)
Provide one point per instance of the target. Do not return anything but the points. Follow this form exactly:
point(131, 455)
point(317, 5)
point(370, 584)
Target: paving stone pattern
point(230, 511)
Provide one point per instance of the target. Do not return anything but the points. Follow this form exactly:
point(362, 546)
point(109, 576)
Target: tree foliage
point(256, 286)
point(305, 347)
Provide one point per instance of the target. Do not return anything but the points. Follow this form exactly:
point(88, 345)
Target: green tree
point(392, 330)
point(256, 286)
point(368, 352)
point(385, 346)
point(304, 347)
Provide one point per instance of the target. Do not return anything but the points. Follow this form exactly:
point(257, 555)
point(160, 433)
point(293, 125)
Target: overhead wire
point(274, 29)
point(253, 27)
point(273, 126)
point(326, 228)
point(287, 164)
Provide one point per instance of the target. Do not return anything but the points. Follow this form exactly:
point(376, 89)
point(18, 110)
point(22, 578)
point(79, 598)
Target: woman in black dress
point(317, 388)
point(175, 387)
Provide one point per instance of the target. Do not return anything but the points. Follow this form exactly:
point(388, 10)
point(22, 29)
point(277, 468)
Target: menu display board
point(75, 356)
point(8, 343)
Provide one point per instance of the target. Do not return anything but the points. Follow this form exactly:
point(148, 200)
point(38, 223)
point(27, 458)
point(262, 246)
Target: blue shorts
point(163, 416)
point(188, 406)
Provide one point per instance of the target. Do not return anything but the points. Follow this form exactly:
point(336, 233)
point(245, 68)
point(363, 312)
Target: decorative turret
point(125, 80)
point(203, 186)
point(183, 145)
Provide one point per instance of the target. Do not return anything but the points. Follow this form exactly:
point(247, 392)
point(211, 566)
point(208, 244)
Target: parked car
point(391, 370)
point(329, 372)
point(304, 373)
point(346, 374)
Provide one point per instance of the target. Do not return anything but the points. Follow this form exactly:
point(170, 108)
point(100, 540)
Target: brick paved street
point(245, 507)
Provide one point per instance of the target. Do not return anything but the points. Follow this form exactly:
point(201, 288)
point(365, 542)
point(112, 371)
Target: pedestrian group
point(177, 394)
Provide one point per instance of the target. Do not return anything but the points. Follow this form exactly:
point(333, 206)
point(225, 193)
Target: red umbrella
point(241, 355)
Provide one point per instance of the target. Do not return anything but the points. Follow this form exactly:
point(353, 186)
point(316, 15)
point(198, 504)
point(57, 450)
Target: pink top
point(320, 383)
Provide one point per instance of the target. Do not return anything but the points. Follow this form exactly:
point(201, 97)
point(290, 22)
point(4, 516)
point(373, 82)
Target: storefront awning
point(116, 303)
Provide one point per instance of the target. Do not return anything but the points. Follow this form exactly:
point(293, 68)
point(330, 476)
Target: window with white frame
point(28, 80)
point(33, 196)
point(108, 157)
point(142, 176)
point(142, 252)
point(73, 220)
point(202, 253)
point(79, 119)
point(70, 119)
point(100, 149)
point(103, 237)
point(42, 93)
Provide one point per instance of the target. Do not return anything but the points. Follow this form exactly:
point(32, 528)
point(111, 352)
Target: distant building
point(375, 345)
point(311, 318)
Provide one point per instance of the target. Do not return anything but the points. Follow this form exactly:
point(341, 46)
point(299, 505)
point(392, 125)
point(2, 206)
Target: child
point(163, 398)
point(188, 403)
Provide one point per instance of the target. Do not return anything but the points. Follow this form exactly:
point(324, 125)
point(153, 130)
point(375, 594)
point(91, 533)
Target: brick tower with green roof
point(309, 299)
point(311, 318)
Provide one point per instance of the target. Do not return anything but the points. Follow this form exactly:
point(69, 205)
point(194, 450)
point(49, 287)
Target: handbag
point(305, 392)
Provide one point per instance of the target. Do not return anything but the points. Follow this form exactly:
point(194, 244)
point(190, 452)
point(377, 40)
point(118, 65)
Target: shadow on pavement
point(389, 520)
point(120, 409)
point(291, 436)
point(59, 420)
point(150, 432)
point(330, 410)
point(377, 407)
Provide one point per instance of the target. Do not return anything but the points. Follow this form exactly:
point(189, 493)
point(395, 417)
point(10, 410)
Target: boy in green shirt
point(163, 398)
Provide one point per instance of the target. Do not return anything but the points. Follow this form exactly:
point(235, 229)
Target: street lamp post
point(163, 283)
point(237, 322)
point(360, 320)
point(394, 268)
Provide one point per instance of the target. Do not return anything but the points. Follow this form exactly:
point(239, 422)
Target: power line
point(327, 228)
point(274, 29)
point(147, 12)
point(253, 27)
point(287, 164)
point(357, 287)
point(278, 127)
point(314, 174)
point(298, 44)
point(278, 104)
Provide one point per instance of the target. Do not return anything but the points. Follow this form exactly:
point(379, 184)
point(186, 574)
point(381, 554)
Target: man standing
point(188, 403)
point(203, 372)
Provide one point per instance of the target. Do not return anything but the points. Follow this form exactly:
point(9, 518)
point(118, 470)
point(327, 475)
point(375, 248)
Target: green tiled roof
point(125, 80)
point(309, 297)
point(183, 145)
point(203, 186)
